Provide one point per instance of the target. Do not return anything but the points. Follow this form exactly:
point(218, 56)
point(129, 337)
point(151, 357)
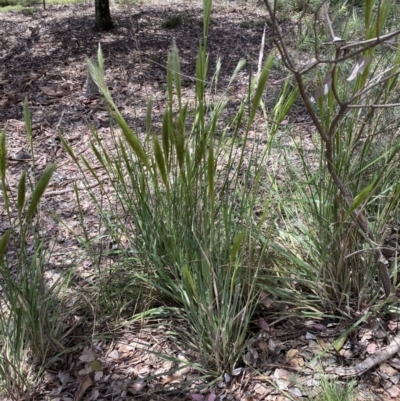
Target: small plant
point(30, 324)
point(347, 193)
point(173, 22)
point(185, 201)
point(331, 390)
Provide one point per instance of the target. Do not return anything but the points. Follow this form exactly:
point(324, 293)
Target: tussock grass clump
point(184, 203)
point(346, 194)
point(31, 331)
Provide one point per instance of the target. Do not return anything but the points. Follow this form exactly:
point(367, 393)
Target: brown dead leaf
point(281, 377)
point(98, 375)
point(49, 91)
point(394, 391)
point(84, 385)
point(263, 345)
point(263, 324)
point(388, 370)
point(371, 348)
point(139, 384)
point(85, 371)
point(359, 67)
point(261, 390)
point(324, 89)
point(395, 362)
point(293, 358)
point(87, 355)
point(171, 379)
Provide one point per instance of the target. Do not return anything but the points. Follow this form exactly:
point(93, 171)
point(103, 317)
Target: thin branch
point(373, 106)
point(280, 44)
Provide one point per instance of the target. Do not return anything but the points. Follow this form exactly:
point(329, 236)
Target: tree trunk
point(103, 16)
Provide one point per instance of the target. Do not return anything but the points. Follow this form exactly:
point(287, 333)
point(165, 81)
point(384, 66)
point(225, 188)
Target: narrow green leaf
point(39, 190)
point(100, 58)
point(27, 120)
point(368, 6)
point(179, 141)
point(160, 162)
point(188, 279)
point(170, 80)
point(201, 74)
point(21, 193)
point(96, 70)
point(237, 243)
point(360, 198)
point(285, 102)
point(207, 6)
point(165, 134)
point(211, 171)
point(375, 28)
point(239, 67)
point(338, 343)
point(176, 69)
point(132, 140)
point(218, 66)
point(99, 156)
point(3, 155)
point(260, 88)
point(148, 116)
point(3, 244)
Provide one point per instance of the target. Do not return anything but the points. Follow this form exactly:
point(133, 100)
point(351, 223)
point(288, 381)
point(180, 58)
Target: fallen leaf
point(96, 365)
point(394, 391)
point(388, 370)
point(197, 397)
point(263, 345)
point(211, 397)
point(395, 362)
point(48, 91)
point(371, 348)
point(319, 327)
point(65, 378)
point(261, 390)
point(87, 356)
point(263, 324)
point(98, 375)
point(281, 377)
point(323, 90)
point(84, 385)
point(293, 358)
point(295, 391)
point(359, 67)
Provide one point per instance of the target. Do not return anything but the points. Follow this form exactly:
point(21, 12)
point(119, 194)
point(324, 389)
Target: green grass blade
point(237, 243)
point(260, 88)
point(3, 157)
point(158, 154)
point(21, 194)
point(132, 140)
point(360, 198)
point(176, 69)
point(28, 122)
point(3, 244)
point(39, 191)
point(207, 4)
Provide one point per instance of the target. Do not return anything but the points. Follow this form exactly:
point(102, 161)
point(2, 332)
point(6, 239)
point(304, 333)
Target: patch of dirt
point(43, 58)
